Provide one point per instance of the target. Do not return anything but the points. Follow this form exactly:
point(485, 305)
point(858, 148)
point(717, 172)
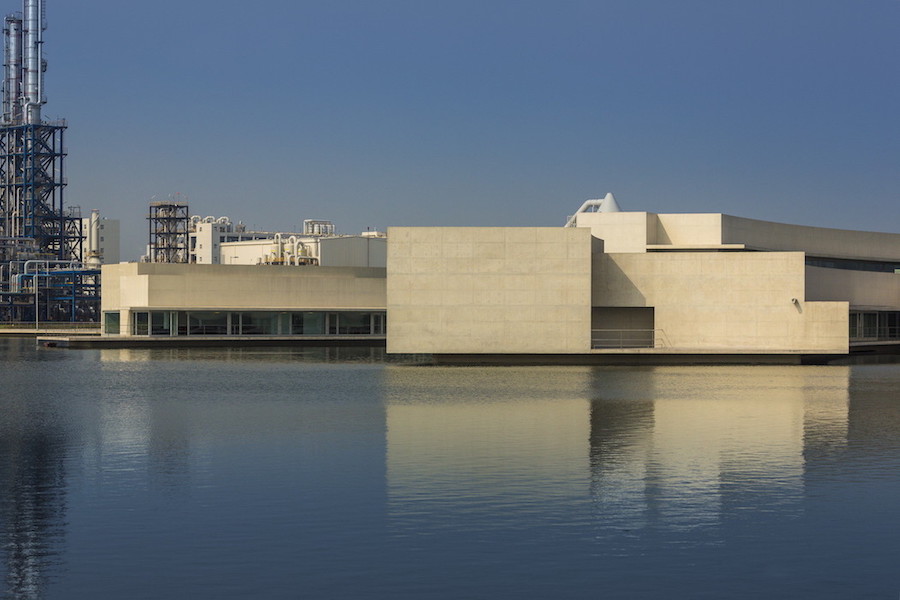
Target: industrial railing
point(627, 338)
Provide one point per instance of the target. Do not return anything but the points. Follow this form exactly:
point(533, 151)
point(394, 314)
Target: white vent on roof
point(606, 204)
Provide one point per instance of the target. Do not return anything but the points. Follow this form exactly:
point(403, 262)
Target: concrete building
point(157, 299)
point(240, 283)
point(616, 283)
point(610, 286)
point(101, 240)
point(207, 234)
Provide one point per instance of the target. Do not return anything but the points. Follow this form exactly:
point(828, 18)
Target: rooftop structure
point(217, 240)
point(168, 232)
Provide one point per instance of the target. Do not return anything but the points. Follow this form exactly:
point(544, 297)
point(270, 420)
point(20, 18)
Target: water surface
point(330, 473)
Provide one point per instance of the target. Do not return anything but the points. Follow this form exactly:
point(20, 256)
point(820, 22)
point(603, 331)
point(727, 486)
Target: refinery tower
point(41, 276)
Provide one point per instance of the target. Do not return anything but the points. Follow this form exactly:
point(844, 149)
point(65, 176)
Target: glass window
point(284, 323)
point(111, 323)
point(332, 323)
point(160, 323)
point(182, 317)
point(870, 325)
point(875, 325)
point(258, 323)
point(308, 323)
point(141, 323)
point(887, 325)
point(207, 323)
point(354, 323)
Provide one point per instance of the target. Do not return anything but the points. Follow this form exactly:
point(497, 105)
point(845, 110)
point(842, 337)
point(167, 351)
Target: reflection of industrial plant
point(32, 497)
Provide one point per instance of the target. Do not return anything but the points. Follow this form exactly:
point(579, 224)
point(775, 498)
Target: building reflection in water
point(268, 354)
point(467, 441)
point(680, 446)
point(32, 492)
point(594, 453)
point(672, 448)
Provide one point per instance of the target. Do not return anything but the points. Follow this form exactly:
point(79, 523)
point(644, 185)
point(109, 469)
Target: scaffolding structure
point(40, 239)
point(168, 227)
point(31, 192)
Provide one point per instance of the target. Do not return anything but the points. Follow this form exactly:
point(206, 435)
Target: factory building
point(219, 241)
point(636, 283)
point(207, 234)
point(42, 277)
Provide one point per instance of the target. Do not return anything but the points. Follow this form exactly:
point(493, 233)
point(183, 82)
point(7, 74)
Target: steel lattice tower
point(31, 193)
point(168, 221)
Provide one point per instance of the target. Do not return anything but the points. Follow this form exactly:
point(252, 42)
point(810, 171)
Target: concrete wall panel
point(519, 290)
point(227, 287)
point(730, 301)
point(863, 289)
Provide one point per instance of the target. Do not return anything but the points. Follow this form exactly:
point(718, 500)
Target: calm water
point(289, 474)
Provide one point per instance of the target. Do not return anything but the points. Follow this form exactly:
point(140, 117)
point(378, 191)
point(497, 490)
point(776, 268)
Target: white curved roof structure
point(606, 204)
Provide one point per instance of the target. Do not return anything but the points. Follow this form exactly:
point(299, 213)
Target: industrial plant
point(175, 237)
point(47, 270)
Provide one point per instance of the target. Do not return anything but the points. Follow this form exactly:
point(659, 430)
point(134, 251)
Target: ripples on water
point(330, 473)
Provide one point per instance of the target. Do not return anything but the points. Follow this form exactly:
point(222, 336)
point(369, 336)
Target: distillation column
point(34, 63)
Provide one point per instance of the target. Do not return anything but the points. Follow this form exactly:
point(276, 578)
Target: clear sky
point(492, 112)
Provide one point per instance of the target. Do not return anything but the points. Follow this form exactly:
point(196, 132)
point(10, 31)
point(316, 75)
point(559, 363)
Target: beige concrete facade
point(129, 287)
point(736, 302)
point(489, 290)
point(647, 232)
point(673, 283)
point(615, 283)
point(862, 289)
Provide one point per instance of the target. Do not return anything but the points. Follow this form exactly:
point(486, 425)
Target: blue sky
point(403, 112)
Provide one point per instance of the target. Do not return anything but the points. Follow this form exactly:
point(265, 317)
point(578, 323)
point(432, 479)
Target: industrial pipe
point(34, 67)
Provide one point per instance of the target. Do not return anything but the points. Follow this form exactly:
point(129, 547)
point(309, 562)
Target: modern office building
point(615, 283)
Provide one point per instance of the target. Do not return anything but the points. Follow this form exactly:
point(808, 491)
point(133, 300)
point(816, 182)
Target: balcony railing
point(627, 338)
point(875, 334)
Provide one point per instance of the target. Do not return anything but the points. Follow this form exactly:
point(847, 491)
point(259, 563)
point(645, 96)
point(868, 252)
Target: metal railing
point(628, 338)
point(873, 334)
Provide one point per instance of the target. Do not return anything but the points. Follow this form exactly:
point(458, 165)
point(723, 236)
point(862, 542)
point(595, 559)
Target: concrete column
point(125, 322)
